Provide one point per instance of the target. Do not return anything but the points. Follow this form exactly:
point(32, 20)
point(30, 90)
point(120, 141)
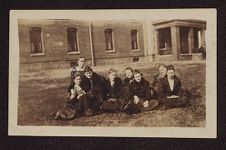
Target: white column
point(175, 36)
point(156, 40)
point(199, 39)
point(147, 35)
point(203, 40)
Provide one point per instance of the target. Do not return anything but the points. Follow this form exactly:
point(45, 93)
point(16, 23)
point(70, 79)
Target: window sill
point(166, 55)
point(73, 53)
point(37, 54)
point(185, 54)
point(110, 51)
point(135, 50)
point(163, 49)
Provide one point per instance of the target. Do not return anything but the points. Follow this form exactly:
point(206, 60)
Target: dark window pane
point(36, 40)
point(108, 39)
point(184, 40)
point(134, 39)
point(164, 41)
point(72, 40)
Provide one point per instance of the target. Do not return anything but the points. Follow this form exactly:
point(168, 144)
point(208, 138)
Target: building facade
point(103, 42)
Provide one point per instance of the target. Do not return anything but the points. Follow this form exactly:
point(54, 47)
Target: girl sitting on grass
point(140, 95)
point(171, 92)
point(76, 104)
point(113, 91)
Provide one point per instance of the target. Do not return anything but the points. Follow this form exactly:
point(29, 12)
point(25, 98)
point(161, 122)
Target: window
point(134, 42)
point(108, 39)
point(36, 40)
point(164, 41)
point(72, 40)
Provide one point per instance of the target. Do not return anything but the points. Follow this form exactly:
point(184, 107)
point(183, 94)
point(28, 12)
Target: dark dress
point(127, 81)
point(94, 88)
point(74, 106)
point(114, 97)
point(155, 84)
point(144, 92)
point(165, 91)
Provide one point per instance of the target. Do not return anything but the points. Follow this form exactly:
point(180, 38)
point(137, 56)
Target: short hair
point(128, 68)
point(162, 65)
point(170, 67)
point(88, 69)
point(137, 72)
point(78, 58)
point(76, 75)
point(112, 70)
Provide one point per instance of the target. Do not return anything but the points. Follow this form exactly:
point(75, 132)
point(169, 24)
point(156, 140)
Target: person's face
point(162, 70)
point(112, 76)
point(88, 74)
point(170, 73)
point(77, 80)
point(128, 73)
point(81, 62)
point(137, 77)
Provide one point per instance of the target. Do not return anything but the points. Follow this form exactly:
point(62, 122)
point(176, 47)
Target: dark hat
point(170, 67)
point(88, 69)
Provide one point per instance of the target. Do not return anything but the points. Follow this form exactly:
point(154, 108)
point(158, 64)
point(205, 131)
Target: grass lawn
point(42, 93)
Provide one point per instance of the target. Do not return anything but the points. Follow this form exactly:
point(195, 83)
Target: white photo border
point(209, 131)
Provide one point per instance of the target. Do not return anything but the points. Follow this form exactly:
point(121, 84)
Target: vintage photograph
point(115, 72)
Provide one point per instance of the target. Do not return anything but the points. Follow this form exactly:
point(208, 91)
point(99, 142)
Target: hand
point(79, 96)
point(173, 96)
point(145, 104)
point(136, 99)
point(72, 96)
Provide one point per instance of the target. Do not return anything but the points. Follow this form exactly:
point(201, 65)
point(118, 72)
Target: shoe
point(151, 105)
point(52, 117)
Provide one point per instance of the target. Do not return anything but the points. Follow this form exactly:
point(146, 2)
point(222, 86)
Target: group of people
point(91, 94)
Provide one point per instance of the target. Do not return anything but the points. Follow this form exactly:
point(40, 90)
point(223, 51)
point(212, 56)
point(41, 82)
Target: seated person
point(140, 95)
point(92, 84)
point(155, 83)
point(113, 86)
point(171, 93)
point(76, 104)
point(126, 82)
point(79, 68)
point(129, 76)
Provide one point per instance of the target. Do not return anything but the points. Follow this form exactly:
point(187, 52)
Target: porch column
point(191, 39)
point(147, 40)
point(175, 36)
point(203, 41)
point(156, 38)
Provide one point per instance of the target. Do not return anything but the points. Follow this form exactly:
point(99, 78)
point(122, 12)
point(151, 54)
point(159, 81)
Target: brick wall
point(54, 33)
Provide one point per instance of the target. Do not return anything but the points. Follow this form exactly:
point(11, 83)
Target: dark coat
point(95, 85)
point(115, 90)
point(165, 87)
point(142, 89)
point(126, 81)
point(156, 80)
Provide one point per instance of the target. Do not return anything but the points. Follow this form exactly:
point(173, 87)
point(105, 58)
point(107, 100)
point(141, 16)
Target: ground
point(44, 92)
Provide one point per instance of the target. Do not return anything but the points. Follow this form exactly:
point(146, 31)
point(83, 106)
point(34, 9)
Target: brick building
point(59, 42)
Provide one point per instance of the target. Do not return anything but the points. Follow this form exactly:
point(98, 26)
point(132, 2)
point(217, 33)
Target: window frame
point(113, 43)
point(137, 38)
point(77, 42)
point(42, 42)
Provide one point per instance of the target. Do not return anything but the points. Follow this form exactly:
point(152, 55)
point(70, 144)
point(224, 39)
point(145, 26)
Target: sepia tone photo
point(136, 73)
